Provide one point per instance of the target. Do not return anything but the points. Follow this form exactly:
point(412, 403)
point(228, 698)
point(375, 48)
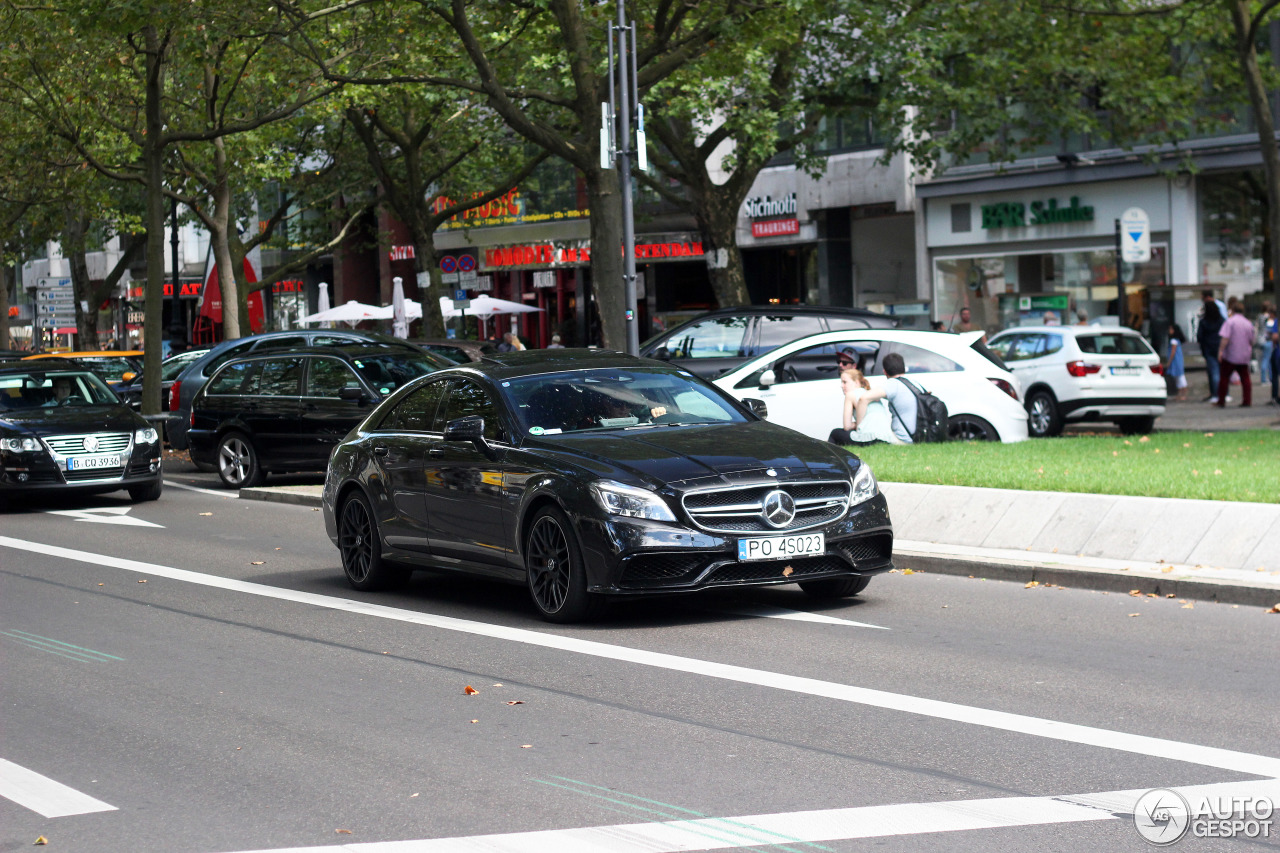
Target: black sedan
point(588, 475)
point(62, 428)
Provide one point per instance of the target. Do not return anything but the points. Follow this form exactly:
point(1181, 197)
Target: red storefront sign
point(775, 228)
point(546, 254)
point(189, 289)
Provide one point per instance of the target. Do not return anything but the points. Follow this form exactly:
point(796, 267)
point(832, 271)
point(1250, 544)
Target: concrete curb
point(299, 495)
point(1103, 580)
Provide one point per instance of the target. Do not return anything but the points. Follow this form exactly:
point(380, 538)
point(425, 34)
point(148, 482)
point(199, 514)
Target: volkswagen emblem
point(779, 508)
point(90, 443)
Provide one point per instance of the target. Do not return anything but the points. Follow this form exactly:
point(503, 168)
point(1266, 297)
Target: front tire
point(971, 428)
point(1043, 419)
point(1136, 426)
point(835, 587)
point(554, 569)
point(149, 492)
point(361, 548)
point(237, 460)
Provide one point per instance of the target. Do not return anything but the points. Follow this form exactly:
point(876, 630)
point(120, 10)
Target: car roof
point(25, 365)
point(740, 310)
point(509, 365)
point(363, 349)
point(89, 354)
point(1071, 330)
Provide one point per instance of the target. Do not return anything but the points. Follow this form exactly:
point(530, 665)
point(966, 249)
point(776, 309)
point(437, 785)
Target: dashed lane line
point(44, 796)
point(1154, 747)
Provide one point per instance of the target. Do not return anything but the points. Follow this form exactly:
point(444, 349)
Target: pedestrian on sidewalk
point(1209, 338)
point(1174, 367)
point(1234, 353)
point(1267, 328)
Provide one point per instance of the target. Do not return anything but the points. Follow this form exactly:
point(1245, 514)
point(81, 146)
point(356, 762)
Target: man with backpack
point(917, 415)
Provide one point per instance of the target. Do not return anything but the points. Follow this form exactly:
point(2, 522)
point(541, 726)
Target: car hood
point(55, 421)
point(683, 457)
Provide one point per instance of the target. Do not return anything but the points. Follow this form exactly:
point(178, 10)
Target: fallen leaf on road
point(343, 831)
point(256, 562)
point(1188, 606)
point(1167, 569)
point(40, 842)
point(103, 584)
point(526, 746)
point(411, 796)
point(1135, 614)
point(908, 571)
point(499, 684)
point(141, 581)
point(1274, 609)
point(475, 721)
point(469, 690)
point(1152, 595)
point(277, 549)
point(945, 606)
point(1032, 585)
point(788, 572)
point(206, 513)
point(1171, 595)
point(1135, 592)
point(516, 702)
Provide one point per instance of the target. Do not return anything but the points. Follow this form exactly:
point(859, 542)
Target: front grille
point(777, 569)
point(740, 509)
point(73, 445)
point(645, 569)
point(868, 551)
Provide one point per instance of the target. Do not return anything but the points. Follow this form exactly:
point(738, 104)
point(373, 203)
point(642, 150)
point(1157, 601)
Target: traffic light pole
point(615, 141)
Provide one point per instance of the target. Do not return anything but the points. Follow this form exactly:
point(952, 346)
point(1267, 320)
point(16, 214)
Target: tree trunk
point(603, 193)
point(153, 164)
point(6, 274)
point(719, 226)
point(430, 288)
point(1247, 54)
point(73, 230)
point(220, 241)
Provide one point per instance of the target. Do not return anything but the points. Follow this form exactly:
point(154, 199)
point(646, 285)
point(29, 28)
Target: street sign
point(483, 284)
point(461, 304)
point(54, 294)
point(68, 310)
point(459, 296)
point(1135, 236)
point(53, 282)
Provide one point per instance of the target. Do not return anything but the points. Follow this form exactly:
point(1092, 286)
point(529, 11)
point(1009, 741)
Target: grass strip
point(1225, 466)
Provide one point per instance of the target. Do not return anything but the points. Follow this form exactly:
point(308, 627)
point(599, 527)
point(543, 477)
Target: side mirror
point(767, 379)
point(354, 393)
point(469, 428)
point(128, 376)
point(662, 353)
point(757, 407)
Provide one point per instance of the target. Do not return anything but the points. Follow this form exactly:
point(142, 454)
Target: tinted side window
point(1114, 344)
point(715, 338)
point(234, 378)
point(839, 324)
point(808, 365)
point(1027, 346)
point(228, 354)
point(468, 398)
point(773, 332)
point(326, 377)
point(282, 343)
point(281, 377)
point(333, 340)
point(417, 411)
point(449, 352)
point(1054, 344)
point(1002, 345)
point(919, 360)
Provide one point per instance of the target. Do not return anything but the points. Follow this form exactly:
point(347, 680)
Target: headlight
point(617, 499)
point(864, 485)
point(146, 435)
point(19, 445)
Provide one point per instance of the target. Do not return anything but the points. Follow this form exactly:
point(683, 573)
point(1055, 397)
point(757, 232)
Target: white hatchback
point(1084, 373)
point(800, 382)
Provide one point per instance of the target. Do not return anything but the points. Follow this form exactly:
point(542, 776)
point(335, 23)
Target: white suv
point(1084, 373)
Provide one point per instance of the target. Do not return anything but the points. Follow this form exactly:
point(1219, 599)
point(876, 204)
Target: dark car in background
point(63, 429)
point(131, 391)
point(112, 366)
point(717, 341)
point(461, 351)
point(190, 380)
point(285, 410)
point(587, 475)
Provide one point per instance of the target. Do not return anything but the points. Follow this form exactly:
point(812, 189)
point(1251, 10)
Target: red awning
point(65, 330)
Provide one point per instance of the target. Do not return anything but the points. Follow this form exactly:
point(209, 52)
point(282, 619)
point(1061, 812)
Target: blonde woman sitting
point(866, 419)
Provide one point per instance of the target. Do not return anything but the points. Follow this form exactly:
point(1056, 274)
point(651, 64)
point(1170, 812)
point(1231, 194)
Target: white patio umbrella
point(399, 320)
point(412, 311)
point(323, 303)
point(484, 307)
point(350, 313)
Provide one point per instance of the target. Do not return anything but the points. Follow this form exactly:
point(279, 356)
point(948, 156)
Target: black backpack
point(932, 423)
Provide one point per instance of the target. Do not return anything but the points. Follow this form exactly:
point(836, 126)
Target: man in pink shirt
point(1234, 353)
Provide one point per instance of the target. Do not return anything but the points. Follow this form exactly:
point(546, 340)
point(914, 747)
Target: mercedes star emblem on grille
point(90, 443)
point(779, 508)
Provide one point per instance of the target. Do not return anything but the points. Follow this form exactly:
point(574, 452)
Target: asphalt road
point(206, 681)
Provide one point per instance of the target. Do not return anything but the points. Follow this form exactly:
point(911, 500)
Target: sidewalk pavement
point(1197, 413)
point(1208, 550)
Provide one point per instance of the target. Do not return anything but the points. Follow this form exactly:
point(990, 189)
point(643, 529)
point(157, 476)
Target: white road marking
point(104, 515)
point(169, 484)
point(43, 795)
point(767, 612)
point(1208, 756)
point(813, 826)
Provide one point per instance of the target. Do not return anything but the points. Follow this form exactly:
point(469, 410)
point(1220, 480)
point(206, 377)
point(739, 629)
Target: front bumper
point(628, 556)
point(43, 471)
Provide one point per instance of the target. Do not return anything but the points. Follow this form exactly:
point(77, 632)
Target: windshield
point(51, 389)
point(110, 367)
point(607, 399)
point(173, 366)
point(388, 372)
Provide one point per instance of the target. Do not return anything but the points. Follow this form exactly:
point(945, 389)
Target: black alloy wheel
point(970, 428)
point(237, 459)
point(361, 548)
point(835, 587)
point(1043, 420)
point(554, 569)
point(149, 492)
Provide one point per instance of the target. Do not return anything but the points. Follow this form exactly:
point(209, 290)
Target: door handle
point(436, 451)
point(380, 450)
